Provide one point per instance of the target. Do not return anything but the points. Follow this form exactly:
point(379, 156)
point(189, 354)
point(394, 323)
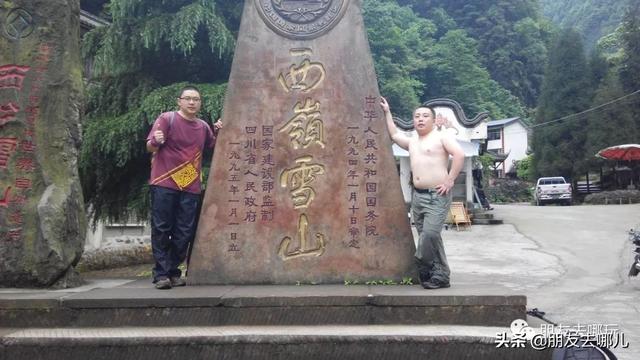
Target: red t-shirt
point(178, 162)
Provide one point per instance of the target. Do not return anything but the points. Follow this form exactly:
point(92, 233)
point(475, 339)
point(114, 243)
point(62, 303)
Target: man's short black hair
point(433, 112)
point(188, 87)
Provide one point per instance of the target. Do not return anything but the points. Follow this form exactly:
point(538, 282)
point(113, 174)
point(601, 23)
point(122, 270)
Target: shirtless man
point(432, 181)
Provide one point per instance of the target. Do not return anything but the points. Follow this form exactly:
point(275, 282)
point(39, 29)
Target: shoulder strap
point(172, 119)
point(204, 127)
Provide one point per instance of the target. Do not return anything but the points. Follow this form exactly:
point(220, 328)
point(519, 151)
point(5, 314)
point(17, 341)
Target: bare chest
point(430, 146)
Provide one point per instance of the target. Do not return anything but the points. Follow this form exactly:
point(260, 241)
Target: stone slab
point(306, 186)
point(139, 304)
point(30, 300)
point(42, 217)
point(147, 297)
point(264, 342)
point(323, 295)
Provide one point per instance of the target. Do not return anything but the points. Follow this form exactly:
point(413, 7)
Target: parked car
point(552, 189)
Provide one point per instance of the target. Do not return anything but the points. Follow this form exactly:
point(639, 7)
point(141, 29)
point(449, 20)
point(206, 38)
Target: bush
point(508, 191)
point(613, 197)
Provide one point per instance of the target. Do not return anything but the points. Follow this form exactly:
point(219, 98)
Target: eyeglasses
point(189, 98)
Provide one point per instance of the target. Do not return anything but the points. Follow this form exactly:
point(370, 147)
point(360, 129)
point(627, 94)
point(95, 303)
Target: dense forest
point(500, 56)
point(593, 19)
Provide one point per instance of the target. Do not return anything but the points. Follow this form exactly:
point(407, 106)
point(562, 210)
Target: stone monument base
point(134, 321)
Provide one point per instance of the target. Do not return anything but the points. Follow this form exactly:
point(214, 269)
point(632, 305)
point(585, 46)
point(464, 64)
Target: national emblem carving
point(301, 19)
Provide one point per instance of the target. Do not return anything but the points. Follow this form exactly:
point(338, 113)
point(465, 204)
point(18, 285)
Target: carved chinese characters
point(303, 187)
point(41, 213)
point(23, 156)
point(304, 129)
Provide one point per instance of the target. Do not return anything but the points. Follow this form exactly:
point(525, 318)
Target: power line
point(586, 111)
point(595, 108)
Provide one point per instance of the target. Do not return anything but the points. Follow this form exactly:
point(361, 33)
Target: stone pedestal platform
point(132, 320)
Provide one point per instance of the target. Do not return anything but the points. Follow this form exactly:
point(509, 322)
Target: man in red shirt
point(177, 141)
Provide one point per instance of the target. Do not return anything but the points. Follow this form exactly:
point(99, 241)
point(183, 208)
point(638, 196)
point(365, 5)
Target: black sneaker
point(178, 281)
point(435, 284)
point(163, 284)
point(423, 277)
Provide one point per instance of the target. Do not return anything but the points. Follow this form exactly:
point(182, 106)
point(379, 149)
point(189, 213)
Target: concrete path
point(570, 261)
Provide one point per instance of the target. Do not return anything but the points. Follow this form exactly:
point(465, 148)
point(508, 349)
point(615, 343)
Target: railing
point(582, 187)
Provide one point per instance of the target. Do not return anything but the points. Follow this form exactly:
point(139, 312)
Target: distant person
point(177, 141)
point(432, 183)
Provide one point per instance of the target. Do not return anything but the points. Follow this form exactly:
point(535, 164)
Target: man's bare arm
point(154, 144)
point(399, 138)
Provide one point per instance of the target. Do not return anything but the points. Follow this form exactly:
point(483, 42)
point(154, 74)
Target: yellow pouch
point(185, 176)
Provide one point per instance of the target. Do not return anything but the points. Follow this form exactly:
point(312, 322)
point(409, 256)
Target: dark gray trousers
point(429, 212)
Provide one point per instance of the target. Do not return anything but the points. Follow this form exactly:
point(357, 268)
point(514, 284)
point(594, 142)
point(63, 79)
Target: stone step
point(483, 215)
point(487, 222)
point(262, 342)
point(139, 304)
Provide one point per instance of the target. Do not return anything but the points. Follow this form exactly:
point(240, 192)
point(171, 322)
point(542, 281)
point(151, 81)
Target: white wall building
point(508, 137)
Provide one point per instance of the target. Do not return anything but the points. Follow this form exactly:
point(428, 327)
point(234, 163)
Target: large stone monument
point(304, 186)
point(42, 220)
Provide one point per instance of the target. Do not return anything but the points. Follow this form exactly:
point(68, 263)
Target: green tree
point(417, 61)
point(455, 72)
point(559, 146)
point(524, 170)
point(619, 122)
point(591, 18)
point(399, 41)
point(140, 61)
point(630, 36)
point(611, 125)
point(511, 38)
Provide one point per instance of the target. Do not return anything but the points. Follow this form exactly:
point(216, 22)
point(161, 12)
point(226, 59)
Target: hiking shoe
point(435, 284)
point(163, 284)
point(178, 281)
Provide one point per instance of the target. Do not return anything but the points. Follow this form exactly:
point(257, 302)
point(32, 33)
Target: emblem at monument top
point(301, 19)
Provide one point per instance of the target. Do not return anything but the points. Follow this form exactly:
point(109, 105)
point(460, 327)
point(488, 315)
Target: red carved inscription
point(7, 147)
point(11, 76)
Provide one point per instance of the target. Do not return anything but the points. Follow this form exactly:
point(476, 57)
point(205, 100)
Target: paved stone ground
point(133, 272)
point(570, 261)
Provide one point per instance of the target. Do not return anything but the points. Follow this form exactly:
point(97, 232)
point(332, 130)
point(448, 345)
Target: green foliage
point(416, 61)
point(613, 125)
point(511, 38)
point(455, 72)
point(141, 30)
point(399, 41)
point(524, 169)
point(630, 36)
point(509, 191)
point(559, 147)
point(405, 281)
point(151, 49)
point(114, 164)
point(618, 123)
point(591, 18)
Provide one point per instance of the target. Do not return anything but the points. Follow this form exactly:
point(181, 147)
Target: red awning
point(621, 152)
